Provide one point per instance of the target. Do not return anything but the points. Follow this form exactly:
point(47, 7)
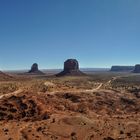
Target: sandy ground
point(83, 114)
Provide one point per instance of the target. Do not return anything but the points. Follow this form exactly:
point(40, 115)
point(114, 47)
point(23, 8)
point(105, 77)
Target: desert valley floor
point(99, 106)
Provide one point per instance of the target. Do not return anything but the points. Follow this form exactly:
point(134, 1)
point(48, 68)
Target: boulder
point(71, 67)
point(137, 68)
point(35, 70)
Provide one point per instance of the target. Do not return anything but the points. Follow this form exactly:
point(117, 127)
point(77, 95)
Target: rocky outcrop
point(22, 107)
point(122, 68)
point(137, 68)
point(35, 70)
point(71, 67)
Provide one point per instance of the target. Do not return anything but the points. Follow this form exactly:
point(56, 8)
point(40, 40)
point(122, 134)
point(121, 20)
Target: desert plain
point(94, 106)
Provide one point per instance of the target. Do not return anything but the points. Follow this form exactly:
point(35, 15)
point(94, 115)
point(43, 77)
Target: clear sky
point(98, 33)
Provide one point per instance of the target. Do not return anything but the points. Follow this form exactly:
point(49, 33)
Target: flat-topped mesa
point(71, 67)
point(122, 68)
point(137, 68)
point(35, 70)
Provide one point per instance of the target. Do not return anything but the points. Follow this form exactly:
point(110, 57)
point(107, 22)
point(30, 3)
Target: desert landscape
point(71, 105)
point(69, 69)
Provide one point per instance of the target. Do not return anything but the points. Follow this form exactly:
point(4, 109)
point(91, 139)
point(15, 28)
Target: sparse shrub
point(8, 87)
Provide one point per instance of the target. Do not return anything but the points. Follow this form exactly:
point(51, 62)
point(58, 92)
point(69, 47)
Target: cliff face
point(34, 68)
point(71, 67)
point(71, 64)
point(137, 68)
point(122, 68)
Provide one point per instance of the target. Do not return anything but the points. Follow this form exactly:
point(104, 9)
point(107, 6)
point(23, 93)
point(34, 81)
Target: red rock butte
point(71, 68)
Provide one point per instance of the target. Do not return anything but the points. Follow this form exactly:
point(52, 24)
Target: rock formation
point(122, 68)
point(71, 67)
point(137, 68)
point(35, 70)
point(71, 64)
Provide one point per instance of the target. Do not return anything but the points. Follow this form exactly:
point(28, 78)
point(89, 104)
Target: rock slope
point(4, 76)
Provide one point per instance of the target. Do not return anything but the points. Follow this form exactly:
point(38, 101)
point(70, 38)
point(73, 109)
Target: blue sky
point(99, 33)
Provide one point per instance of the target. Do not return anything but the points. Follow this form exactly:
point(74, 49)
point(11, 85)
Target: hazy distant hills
point(94, 69)
point(55, 71)
point(86, 70)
